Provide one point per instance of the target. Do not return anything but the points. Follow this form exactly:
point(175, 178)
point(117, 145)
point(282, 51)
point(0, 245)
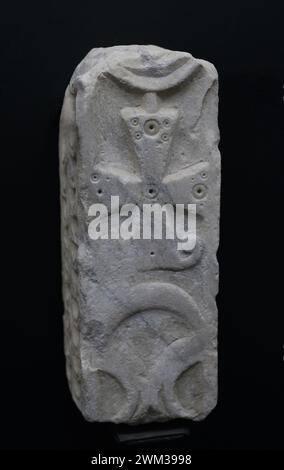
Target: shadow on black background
point(41, 45)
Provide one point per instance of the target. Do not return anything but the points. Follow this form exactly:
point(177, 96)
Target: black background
point(41, 44)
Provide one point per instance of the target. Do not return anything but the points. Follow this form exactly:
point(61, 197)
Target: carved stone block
point(140, 321)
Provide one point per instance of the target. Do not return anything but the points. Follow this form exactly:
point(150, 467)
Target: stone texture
point(140, 316)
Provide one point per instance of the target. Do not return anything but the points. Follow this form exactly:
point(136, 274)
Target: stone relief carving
point(140, 316)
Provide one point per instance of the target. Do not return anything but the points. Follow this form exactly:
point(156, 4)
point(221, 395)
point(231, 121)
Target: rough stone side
point(140, 316)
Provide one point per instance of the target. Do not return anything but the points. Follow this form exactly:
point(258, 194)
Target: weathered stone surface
point(140, 317)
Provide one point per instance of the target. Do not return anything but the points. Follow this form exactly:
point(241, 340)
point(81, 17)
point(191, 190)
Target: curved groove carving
point(142, 73)
point(156, 296)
